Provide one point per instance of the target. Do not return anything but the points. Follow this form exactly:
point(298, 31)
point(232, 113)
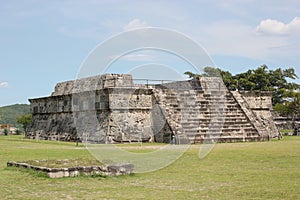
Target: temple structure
point(112, 108)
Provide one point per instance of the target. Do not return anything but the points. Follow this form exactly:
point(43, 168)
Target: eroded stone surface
point(110, 170)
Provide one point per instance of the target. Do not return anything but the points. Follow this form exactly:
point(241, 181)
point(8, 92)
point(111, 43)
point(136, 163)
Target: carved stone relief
point(130, 126)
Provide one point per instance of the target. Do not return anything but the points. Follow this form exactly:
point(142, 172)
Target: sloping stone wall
point(261, 104)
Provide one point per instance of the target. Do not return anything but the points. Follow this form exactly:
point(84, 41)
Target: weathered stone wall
point(93, 83)
point(110, 108)
point(115, 113)
point(285, 123)
point(52, 119)
point(261, 104)
point(130, 117)
point(258, 100)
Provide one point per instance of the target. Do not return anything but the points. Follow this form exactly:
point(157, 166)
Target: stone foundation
point(111, 170)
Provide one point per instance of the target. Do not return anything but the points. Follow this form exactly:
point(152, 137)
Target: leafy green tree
point(211, 71)
point(18, 132)
point(5, 131)
point(207, 71)
point(264, 79)
point(24, 120)
point(228, 80)
point(290, 107)
point(191, 74)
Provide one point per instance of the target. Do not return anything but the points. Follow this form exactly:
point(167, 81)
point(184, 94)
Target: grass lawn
point(262, 170)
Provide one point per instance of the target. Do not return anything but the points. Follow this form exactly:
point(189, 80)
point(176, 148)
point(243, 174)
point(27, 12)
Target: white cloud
point(134, 24)
point(136, 57)
point(3, 84)
point(139, 57)
point(275, 27)
point(233, 38)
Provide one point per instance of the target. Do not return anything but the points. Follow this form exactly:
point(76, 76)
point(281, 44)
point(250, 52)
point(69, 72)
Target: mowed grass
point(262, 170)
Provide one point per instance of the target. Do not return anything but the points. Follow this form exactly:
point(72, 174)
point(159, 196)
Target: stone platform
point(113, 109)
point(101, 170)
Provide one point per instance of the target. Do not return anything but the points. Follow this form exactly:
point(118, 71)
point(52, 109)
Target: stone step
point(203, 112)
point(201, 102)
point(216, 136)
point(228, 139)
point(208, 119)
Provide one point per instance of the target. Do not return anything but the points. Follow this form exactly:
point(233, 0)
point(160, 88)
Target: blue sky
point(45, 42)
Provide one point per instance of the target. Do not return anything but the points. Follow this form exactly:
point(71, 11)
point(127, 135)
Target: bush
point(18, 132)
point(5, 131)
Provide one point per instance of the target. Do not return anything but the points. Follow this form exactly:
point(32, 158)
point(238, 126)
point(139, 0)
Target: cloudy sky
point(45, 42)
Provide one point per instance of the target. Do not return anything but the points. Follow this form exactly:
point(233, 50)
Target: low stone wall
point(286, 122)
point(111, 170)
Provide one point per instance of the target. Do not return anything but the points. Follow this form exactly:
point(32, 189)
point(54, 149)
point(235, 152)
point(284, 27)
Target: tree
point(191, 74)
point(18, 132)
point(291, 105)
point(5, 131)
point(264, 79)
point(207, 71)
point(24, 120)
point(211, 71)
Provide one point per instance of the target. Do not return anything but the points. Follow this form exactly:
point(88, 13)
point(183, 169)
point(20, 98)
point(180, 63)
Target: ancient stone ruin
point(113, 108)
point(60, 172)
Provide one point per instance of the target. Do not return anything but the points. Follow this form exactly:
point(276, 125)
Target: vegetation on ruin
point(260, 170)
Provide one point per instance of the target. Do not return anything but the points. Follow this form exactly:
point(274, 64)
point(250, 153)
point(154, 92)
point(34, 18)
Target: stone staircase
point(207, 114)
point(178, 107)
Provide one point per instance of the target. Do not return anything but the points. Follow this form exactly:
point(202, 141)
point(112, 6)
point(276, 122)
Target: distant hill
point(8, 114)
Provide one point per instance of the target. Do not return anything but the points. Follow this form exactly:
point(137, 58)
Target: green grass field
point(263, 170)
